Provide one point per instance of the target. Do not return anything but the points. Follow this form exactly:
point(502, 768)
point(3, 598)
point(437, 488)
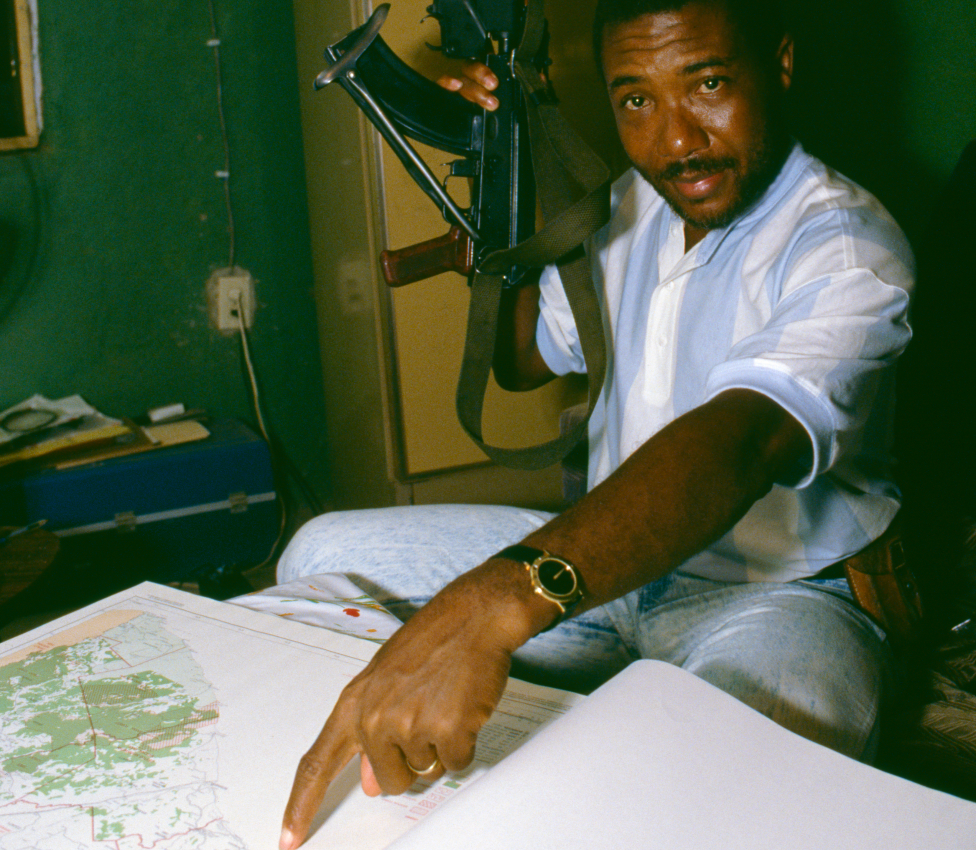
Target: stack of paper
point(69, 432)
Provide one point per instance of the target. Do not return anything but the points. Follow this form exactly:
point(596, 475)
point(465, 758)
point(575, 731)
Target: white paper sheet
point(659, 759)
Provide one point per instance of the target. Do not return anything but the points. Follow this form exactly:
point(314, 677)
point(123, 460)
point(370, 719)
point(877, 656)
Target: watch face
point(556, 577)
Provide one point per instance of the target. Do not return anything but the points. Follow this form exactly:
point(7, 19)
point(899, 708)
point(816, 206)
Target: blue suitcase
point(197, 511)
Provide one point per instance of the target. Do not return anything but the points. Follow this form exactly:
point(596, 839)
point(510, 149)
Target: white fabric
point(329, 601)
point(804, 299)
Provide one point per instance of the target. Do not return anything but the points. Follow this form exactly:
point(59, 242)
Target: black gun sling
point(572, 183)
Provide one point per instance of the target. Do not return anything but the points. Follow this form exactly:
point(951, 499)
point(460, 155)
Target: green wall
point(110, 229)
point(885, 92)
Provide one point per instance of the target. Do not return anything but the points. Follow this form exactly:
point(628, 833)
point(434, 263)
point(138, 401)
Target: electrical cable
point(224, 175)
point(252, 378)
point(225, 139)
point(278, 455)
point(256, 399)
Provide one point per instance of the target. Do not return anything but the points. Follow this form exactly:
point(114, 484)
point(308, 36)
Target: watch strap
point(520, 552)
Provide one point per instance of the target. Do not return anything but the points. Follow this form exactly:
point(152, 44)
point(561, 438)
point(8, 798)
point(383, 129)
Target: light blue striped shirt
point(804, 299)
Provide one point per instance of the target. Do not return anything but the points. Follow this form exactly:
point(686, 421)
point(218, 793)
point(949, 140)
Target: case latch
point(238, 502)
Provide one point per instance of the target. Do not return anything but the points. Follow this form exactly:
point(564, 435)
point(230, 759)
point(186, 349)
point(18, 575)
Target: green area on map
point(111, 738)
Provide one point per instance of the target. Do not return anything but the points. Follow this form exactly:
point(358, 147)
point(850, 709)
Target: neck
point(693, 235)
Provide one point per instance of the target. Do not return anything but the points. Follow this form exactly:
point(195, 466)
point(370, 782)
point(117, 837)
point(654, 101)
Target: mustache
point(697, 167)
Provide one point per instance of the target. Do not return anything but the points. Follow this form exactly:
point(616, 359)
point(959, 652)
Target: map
point(108, 739)
point(162, 720)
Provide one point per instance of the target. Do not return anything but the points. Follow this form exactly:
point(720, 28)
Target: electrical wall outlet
point(230, 297)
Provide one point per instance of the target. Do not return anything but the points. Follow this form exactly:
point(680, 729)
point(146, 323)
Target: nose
point(680, 133)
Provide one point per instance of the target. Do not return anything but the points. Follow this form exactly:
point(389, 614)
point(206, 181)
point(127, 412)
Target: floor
point(259, 579)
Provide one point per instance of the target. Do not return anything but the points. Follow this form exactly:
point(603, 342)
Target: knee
point(810, 662)
point(356, 541)
point(316, 546)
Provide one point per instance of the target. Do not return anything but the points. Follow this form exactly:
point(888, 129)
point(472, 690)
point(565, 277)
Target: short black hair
point(761, 21)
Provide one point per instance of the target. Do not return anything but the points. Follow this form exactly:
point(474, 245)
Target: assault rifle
point(492, 146)
point(505, 154)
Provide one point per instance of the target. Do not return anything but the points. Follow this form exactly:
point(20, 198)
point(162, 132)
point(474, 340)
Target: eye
point(633, 101)
point(712, 84)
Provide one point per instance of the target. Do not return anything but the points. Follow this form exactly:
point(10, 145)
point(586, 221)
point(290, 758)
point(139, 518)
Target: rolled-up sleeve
point(556, 334)
point(828, 350)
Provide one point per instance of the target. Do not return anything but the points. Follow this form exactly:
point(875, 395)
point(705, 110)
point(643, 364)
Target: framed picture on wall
point(19, 119)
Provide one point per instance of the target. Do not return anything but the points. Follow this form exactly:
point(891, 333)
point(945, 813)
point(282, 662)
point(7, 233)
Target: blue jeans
point(801, 652)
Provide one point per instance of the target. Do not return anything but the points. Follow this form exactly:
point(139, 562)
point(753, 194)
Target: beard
point(751, 177)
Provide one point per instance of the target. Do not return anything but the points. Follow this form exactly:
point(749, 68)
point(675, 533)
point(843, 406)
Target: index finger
point(333, 749)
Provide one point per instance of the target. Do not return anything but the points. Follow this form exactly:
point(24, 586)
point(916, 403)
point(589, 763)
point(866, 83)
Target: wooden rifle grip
point(454, 251)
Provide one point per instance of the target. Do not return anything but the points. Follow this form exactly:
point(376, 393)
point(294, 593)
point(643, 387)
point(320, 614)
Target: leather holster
point(885, 588)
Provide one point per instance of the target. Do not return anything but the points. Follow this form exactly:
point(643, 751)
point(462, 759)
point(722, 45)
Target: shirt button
point(662, 341)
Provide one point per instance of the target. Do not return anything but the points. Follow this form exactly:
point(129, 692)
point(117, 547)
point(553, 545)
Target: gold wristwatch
point(552, 577)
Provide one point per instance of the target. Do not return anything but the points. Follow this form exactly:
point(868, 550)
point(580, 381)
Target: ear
point(784, 61)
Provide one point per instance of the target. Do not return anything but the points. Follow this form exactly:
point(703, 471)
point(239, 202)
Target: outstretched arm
point(678, 493)
point(432, 686)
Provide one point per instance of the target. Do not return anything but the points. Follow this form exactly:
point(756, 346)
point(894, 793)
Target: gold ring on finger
point(426, 771)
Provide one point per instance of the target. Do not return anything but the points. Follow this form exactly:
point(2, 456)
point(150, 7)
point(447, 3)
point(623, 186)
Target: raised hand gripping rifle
point(506, 153)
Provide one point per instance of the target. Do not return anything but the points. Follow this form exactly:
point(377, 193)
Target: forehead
point(671, 40)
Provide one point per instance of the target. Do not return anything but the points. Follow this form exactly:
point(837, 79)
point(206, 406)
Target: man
point(756, 303)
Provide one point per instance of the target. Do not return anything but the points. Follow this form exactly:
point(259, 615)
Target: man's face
point(696, 111)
